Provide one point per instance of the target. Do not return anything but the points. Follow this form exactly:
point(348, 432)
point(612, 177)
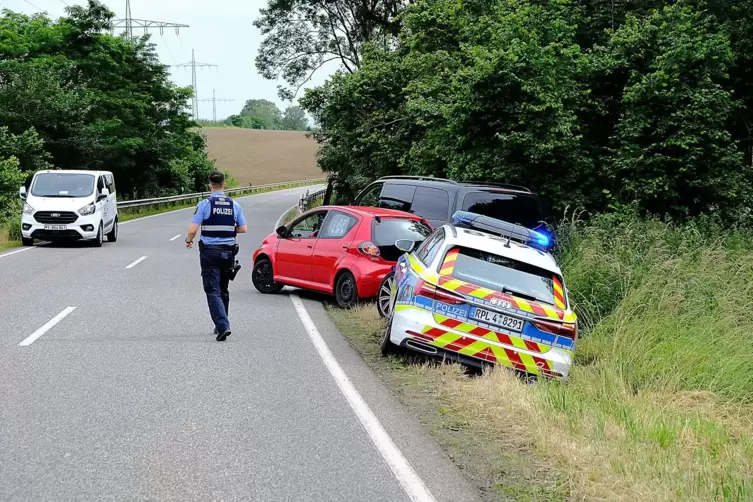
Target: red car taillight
point(423, 288)
point(369, 249)
point(557, 328)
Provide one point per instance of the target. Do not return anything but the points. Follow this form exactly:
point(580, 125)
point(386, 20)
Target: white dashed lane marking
point(47, 327)
point(136, 262)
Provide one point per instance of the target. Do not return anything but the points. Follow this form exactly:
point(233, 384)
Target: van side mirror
point(405, 245)
point(282, 230)
point(22, 193)
point(103, 194)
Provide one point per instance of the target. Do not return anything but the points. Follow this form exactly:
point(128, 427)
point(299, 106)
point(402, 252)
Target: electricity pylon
point(194, 64)
point(214, 101)
point(128, 23)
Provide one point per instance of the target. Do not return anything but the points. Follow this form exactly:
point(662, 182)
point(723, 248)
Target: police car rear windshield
point(505, 275)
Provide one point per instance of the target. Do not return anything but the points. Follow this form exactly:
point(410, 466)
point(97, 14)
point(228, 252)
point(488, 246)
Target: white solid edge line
point(175, 237)
point(412, 484)
point(47, 327)
point(15, 252)
point(136, 262)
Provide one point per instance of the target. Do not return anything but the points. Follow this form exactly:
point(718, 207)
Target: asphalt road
point(129, 397)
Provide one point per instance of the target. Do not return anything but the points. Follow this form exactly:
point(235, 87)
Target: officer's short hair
point(216, 178)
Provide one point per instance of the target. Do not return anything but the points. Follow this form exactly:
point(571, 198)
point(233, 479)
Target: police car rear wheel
point(346, 291)
point(263, 277)
point(384, 297)
point(387, 347)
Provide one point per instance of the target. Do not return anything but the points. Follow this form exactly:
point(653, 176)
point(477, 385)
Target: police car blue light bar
point(473, 221)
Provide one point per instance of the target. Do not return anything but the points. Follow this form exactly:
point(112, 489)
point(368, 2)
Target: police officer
point(220, 219)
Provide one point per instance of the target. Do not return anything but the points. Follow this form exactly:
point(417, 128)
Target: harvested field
point(254, 156)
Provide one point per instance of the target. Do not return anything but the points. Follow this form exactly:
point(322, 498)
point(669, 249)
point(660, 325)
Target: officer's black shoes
point(215, 332)
point(221, 337)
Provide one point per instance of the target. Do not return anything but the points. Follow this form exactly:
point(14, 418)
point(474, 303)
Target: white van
point(73, 205)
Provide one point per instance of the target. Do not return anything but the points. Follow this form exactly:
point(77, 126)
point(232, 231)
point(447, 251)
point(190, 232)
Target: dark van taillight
point(423, 288)
point(569, 330)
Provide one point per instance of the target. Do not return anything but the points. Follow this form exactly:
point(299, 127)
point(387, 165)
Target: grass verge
point(6, 242)
point(660, 403)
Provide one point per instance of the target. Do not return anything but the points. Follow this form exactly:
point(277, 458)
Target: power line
point(214, 101)
point(40, 10)
point(193, 65)
point(129, 23)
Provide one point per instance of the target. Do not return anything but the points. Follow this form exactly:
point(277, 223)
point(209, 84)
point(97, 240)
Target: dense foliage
point(73, 97)
point(301, 36)
point(264, 114)
point(593, 104)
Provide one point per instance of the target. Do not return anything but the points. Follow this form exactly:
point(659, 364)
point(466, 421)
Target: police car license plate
point(55, 227)
point(502, 320)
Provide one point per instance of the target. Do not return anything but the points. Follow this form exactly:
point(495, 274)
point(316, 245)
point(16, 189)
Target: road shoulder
point(435, 468)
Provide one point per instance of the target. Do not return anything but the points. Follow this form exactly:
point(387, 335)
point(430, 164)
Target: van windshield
point(63, 185)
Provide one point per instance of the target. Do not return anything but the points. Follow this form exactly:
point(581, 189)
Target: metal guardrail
point(308, 197)
point(128, 204)
point(299, 208)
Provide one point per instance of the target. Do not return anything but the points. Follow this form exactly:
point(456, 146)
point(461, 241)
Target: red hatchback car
point(343, 251)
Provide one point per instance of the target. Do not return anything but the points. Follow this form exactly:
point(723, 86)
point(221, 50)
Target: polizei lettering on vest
point(221, 220)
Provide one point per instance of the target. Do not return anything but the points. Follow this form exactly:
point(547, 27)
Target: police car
point(481, 291)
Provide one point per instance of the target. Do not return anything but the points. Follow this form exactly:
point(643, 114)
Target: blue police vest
point(221, 220)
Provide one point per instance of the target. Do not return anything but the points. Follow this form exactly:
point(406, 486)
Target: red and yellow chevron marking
point(491, 335)
point(487, 294)
point(481, 349)
point(449, 262)
point(559, 293)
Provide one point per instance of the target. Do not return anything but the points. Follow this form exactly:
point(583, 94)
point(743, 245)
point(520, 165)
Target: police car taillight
point(423, 288)
point(569, 330)
point(369, 249)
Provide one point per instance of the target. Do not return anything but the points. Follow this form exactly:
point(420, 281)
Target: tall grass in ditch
point(660, 402)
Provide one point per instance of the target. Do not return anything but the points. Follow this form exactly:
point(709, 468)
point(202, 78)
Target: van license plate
point(502, 320)
point(55, 227)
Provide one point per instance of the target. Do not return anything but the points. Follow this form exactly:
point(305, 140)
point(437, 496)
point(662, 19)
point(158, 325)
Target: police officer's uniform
point(218, 216)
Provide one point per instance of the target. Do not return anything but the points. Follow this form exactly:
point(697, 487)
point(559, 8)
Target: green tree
point(20, 155)
point(673, 151)
point(294, 119)
point(97, 101)
point(262, 110)
point(301, 36)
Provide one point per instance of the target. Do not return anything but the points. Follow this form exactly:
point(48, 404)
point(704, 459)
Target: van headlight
point(88, 209)
point(28, 209)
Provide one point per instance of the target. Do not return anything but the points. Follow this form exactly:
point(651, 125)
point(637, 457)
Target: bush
point(14, 229)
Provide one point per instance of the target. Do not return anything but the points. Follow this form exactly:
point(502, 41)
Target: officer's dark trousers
point(215, 272)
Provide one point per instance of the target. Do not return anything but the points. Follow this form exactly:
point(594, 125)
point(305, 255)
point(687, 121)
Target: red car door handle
point(309, 246)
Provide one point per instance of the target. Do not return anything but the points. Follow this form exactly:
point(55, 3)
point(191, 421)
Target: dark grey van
point(437, 199)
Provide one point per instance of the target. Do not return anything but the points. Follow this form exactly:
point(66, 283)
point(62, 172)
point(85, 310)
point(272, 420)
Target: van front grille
point(55, 217)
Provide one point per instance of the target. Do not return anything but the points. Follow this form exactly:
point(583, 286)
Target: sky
point(220, 31)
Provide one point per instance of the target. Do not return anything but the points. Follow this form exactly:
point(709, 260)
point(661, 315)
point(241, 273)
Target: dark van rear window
point(517, 209)
point(385, 234)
